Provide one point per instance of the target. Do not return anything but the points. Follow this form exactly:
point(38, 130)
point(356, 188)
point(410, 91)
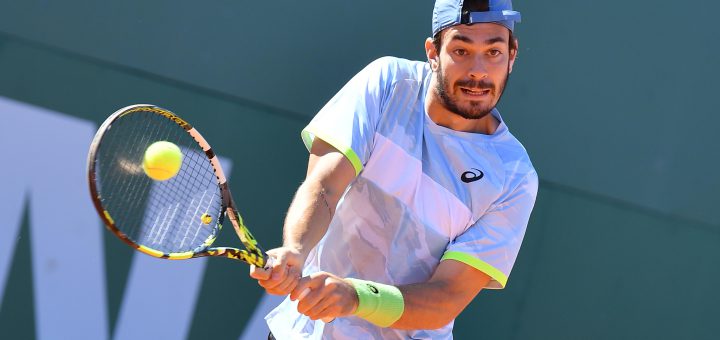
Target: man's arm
point(435, 303)
point(428, 305)
point(328, 175)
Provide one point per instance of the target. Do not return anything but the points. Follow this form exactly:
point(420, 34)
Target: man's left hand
point(328, 297)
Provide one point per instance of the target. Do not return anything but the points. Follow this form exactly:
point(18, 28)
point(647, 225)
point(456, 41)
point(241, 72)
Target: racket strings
point(162, 215)
point(162, 229)
point(198, 167)
point(116, 190)
point(160, 226)
point(134, 189)
point(200, 181)
point(122, 194)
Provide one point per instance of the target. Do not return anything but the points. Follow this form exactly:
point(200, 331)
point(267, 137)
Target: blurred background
point(614, 100)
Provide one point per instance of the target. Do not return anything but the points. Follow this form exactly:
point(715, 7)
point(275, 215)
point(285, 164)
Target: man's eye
point(461, 51)
point(495, 53)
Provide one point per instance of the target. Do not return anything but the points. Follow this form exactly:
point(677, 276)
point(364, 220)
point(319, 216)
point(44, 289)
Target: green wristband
point(378, 303)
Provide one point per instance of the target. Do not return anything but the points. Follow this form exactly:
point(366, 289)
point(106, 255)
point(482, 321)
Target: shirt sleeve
point(491, 245)
point(349, 120)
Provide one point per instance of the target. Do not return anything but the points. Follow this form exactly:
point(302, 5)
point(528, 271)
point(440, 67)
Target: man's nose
point(478, 69)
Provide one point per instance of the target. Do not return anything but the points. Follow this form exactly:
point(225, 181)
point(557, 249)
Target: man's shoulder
point(398, 62)
point(515, 157)
point(395, 68)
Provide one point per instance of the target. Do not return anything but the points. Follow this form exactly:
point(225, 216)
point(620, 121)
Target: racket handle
point(268, 262)
point(305, 293)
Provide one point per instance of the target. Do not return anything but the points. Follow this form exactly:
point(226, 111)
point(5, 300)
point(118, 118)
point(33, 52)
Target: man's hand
point(325, 296)
point(284, 274)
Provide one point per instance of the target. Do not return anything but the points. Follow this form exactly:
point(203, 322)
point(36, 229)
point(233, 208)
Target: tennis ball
point(206, 218)
point(162, 160)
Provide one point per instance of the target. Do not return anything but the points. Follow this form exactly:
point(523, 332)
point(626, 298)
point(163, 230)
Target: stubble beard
point(475, 109)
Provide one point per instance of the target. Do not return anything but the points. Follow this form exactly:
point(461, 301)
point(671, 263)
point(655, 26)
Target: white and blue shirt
point(423, 194)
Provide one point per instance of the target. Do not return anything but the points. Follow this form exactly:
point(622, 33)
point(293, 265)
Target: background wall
point(613, 100)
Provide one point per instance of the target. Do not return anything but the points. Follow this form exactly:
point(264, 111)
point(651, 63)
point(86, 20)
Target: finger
point(327, 319)
point(304, 293)
point(310, 300)
point(288, 285)
point(273, 287)
point(279, 270)
point(323, 309)
point(285, 288)
point(303, 282)
point(291, 279)
point(274, 282)
point(259, 273)
point(327, 314)
point(275, 292)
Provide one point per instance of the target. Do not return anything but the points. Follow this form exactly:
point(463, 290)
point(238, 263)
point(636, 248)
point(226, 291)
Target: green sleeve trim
point(478, 264)
point(378, 303)
point(308, 136)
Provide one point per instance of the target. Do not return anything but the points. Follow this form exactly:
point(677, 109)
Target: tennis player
point(417, 195)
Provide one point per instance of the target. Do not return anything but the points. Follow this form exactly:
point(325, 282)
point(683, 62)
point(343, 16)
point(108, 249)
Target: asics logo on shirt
point(471, 176)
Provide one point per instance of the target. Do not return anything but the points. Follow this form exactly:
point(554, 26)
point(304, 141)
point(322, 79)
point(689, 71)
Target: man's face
point(472, 68)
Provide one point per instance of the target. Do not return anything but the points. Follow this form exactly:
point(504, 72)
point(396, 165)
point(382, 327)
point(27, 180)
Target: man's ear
point(513, 55)
point(431, 53)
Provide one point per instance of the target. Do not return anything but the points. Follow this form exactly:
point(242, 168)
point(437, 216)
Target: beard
point(474, 109)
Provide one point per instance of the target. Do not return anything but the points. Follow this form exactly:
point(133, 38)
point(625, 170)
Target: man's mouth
point(475, 91)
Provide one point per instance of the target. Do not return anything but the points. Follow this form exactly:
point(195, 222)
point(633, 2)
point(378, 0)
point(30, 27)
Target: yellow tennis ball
point(162, 160)
point(206, 218)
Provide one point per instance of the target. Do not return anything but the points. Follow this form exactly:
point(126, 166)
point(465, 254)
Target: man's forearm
point(428, 305)
point(435, 303)
point(313, 207)
point(308, 217)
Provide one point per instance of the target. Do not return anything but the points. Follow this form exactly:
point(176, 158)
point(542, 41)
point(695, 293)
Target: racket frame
point(253, 254)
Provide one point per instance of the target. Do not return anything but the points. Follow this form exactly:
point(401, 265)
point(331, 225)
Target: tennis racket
point(178, 218)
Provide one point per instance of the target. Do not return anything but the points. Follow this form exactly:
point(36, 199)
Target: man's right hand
point(283, 276)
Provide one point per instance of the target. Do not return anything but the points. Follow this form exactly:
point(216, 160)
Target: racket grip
point(268, 262)
point(305, 293)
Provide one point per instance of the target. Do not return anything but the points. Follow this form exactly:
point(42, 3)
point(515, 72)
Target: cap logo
point(473, 6)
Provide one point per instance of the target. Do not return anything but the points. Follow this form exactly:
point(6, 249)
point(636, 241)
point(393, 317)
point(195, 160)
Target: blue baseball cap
point(449, 13)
